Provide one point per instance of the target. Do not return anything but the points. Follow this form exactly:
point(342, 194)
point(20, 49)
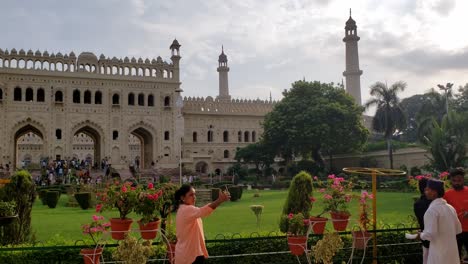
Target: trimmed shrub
point(83, 199)
point(52, 198)
point(222, 184)
point(298, 200)
point(214, 193)
point(236, 192)
point(22, 191)
point(42, 196)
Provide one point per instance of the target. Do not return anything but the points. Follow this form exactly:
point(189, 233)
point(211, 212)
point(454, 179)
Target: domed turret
point(87, 58)
point(222, 56)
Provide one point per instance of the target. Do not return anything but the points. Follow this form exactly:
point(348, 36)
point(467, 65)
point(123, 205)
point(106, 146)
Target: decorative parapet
point(87, 62)
point(208, 105)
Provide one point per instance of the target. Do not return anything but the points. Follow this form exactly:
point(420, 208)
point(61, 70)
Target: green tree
point(447, 141)
point(460, 103)
point(257, 153)
point(389, 117)
point(433, 107)
point(313, 117)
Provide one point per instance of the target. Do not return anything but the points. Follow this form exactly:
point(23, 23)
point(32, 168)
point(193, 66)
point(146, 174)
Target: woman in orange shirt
point(190, 247)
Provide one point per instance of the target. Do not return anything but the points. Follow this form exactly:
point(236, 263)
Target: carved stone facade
point(57, 97)
point(61, 107)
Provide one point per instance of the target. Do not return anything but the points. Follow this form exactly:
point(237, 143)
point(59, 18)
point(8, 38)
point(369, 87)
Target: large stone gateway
point(125, 111)
point(55, 106)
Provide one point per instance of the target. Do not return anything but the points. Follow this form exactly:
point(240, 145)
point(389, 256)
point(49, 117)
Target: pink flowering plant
point(149, 203)
point(336, 194)
point(96, 228)
point(124, 197)
point(364, 207)
point(443, 176)
point(294, 224)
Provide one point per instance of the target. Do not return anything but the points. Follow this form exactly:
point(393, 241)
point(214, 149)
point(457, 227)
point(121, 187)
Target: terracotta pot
point(297, 244)
point(149, 230)
point(360, 239)
point(318, 224)
point(340, 220)
point(91, 255)
point(120, 227)
point(171, 252)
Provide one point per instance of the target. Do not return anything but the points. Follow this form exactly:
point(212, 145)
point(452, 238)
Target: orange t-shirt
point(459, 201)
point(189, 231)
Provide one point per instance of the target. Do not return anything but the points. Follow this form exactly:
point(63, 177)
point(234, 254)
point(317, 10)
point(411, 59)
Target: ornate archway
point(145, 158)
point(24, 133)
point(95, 133)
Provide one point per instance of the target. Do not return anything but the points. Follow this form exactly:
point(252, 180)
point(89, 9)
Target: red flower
point(98, 208)
point(124, 189)
point(290, 215)
point(150, 186)
point(312, 199)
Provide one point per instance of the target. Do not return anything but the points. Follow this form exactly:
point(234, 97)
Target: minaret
point(352, 72)
point(175, 57)
point(223, 70)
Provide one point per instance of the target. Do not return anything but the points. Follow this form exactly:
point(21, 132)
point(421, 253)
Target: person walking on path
point(190, 246)
point(457, 197)
point(420, 207)
point(441, 225)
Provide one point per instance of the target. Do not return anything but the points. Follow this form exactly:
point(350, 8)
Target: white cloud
point(269, 44)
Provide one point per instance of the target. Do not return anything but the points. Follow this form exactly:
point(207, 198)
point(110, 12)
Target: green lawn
point(229, 218)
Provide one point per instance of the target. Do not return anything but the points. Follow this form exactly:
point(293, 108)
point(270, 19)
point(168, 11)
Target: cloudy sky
point(269, 44)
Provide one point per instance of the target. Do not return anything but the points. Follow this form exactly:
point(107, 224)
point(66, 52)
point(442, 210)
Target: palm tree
point(389, 117)
point(433, 107)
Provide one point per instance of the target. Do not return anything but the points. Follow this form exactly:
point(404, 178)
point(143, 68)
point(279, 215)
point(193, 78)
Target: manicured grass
point(228, 219)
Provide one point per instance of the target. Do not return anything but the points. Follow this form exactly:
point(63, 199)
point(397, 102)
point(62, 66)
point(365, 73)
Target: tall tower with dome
point(223, 70)
point(352, 71)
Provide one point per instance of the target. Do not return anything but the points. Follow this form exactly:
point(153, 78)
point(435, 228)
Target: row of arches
point(28, 94)
point(246, 136)
point(30, 64)
point(145, 139)
point(62, 66)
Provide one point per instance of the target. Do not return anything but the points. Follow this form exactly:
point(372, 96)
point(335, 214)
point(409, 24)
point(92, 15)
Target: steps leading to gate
point(203, 197)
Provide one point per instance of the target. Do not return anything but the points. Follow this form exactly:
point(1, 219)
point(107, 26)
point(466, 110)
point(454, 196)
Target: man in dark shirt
point(420, 208)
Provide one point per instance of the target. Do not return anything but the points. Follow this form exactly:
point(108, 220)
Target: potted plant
point(336, 197)
point(95, 230)
point(318, 222)
point(7, 212)
point(296, 228)
point(298, 204)
point(124, 198)
point(171, 239)
point(148, 206)
point(130, 250)
point(326, 248)
point(361, 237)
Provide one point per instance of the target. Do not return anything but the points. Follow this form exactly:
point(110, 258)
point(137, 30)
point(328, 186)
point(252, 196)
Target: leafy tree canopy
point(312, 117)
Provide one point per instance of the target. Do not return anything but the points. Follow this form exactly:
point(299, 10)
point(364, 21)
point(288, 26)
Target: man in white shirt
point(441, 225)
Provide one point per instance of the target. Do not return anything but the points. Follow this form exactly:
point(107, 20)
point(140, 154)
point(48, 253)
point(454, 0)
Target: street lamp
point(447, 88)
point(180, 128)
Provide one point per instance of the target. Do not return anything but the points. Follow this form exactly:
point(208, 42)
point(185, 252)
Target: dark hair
point(422, 184)
point(183, 190)
point(437, 186)
point(457, 172)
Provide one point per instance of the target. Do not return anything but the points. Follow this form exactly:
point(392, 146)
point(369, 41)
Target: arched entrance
point(201, 167)
point(28, 142)
point(87, 139)
point(141, 145)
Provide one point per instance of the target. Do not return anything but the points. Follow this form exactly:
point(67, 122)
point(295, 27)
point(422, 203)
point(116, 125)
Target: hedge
point(399, 250)
point(83, 199)
point(52, 198)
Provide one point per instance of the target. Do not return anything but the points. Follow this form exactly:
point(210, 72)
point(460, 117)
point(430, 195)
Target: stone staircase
point(203, 197)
